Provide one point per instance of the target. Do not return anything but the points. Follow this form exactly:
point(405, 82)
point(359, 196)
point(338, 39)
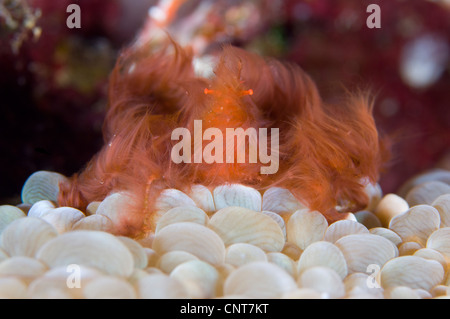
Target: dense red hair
point(326, 151)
